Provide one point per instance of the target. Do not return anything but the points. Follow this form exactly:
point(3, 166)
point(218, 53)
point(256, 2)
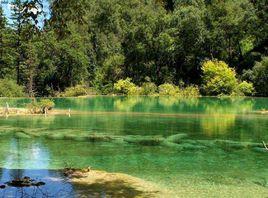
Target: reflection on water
point(37, 145)
point(56, 185)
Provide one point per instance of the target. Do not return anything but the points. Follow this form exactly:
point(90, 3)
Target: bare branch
point(265, 146)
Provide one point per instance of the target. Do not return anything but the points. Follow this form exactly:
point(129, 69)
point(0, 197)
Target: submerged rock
point(55, 136)
point(99, 138)
point(229, 144)
point(99, 183)
point(177, 138)
point(144, 140)
point(22, 135)
point(259, 150)
point(225, 144)
point(207, 143)
point(187, 146)
point(172, 145)
point(184, 146)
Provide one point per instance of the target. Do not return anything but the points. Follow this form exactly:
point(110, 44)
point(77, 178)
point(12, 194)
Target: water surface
point(202, 119)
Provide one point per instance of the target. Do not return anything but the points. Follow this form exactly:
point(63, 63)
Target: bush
point(260, 77)
point(148, 88)
point(9, 88)
point(37, 107)
point(78, 90)
point(244, 88)
point(190, 91)
point(168, 90)
point(218, 78)
point(126, 87)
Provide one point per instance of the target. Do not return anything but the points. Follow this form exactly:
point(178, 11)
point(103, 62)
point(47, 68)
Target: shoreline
point(26, 112)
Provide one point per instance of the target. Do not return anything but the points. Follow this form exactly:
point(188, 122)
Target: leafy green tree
point(168, 89)
point(190, 31)
point(260, 77)
point(230, 24)
point(244, 88)
point(218, 78)
point(9, 88)
point(148, 88)
point(126, 87)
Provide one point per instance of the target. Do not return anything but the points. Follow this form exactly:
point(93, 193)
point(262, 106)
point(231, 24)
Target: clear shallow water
point(201, 119)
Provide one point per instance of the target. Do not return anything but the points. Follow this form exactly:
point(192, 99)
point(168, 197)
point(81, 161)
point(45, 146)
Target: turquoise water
point(209, 155)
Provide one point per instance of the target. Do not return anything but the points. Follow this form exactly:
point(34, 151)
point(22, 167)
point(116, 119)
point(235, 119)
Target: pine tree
point(17, 21)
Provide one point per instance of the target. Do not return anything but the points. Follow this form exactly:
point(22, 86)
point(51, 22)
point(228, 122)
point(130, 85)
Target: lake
point(203, 147)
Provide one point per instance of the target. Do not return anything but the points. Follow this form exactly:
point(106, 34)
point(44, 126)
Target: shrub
point(168, 90)
point(260, 77)
point(9, 88)
point(218, 78)
point(148, 88)
point(37, 107)
point(244, 88)
point(190, 91)
point(78, 90)
point(126, 87)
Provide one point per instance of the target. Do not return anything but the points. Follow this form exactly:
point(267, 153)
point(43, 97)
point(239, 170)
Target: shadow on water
point(57, 185)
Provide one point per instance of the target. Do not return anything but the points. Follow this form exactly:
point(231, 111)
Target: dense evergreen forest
point(96, 43)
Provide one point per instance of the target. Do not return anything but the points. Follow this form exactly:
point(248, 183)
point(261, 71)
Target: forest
point(215, 47)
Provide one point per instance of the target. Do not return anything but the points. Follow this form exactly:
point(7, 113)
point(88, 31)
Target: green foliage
point(168, 90)
point(99, 42)
point(39, 107)
point(148, 88)
point(9, 88)
point(78, 90)
point(244, 88)
point(260, 77)
point(46, 103)
point(190, 92)
point(218, 78)
point(126, 87)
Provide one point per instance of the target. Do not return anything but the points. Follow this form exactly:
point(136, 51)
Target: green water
point(209, 155)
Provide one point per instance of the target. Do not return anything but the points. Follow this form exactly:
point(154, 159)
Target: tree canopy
point(95, 43)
